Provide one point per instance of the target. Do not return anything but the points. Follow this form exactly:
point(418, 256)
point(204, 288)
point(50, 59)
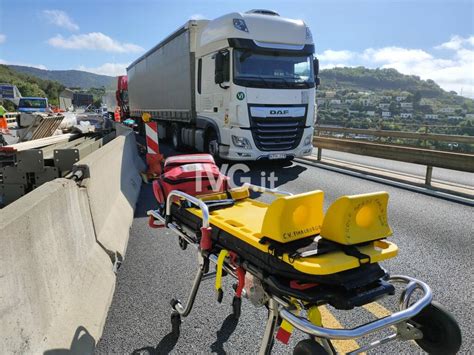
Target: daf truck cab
point(252, 79)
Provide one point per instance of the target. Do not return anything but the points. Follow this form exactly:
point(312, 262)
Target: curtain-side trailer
point(241, 87)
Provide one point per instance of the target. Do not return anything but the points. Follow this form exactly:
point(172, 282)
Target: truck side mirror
point(316, 67)
point(317, 81)
point(221, 73)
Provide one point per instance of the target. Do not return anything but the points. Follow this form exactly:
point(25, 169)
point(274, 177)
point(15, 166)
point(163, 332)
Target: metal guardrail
point(400, 134)
point(29, 166)
point(429, 157)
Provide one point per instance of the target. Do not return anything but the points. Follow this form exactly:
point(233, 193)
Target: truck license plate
point(277, 156)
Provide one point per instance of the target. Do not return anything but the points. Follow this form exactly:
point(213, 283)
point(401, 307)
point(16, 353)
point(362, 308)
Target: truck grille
point(277, 133)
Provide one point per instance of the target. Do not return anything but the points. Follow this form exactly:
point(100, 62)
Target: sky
point(433, 39)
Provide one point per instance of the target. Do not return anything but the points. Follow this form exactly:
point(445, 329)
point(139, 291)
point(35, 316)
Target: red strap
point(206, 241)
point(241, 281)
point(298, 286)
point(151, 223)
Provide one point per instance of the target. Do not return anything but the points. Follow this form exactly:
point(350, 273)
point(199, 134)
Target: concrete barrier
point(56, 282)
point(113, 189)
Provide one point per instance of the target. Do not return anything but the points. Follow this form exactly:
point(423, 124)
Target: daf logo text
point(279, 112)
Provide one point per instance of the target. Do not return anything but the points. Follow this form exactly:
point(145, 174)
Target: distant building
point(384, 106)
point(335, 102)
point(400, 98)
point(370, 113)
point(447, 110)
point(321, 101)
point(406, 105)
point(431, 116)
point(330, 94)
point(365, 102)
point(353, 112)
point(455, 117)
point(470, 115)
point(406, 115)
point(386, 114)
point(349, 101)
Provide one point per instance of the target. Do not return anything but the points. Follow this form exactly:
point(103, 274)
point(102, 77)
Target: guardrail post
point(319, 154)
point(429, 173)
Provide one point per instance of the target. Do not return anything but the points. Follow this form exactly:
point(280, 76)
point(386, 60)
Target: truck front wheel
point(212, 145)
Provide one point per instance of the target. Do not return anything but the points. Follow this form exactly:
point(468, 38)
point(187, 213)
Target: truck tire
point(212, 145)
point(140, 127)
point(176, 137)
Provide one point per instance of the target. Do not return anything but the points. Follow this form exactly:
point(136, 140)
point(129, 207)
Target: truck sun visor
point(244, 43)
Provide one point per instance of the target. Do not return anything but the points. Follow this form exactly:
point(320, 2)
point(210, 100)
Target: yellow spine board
point(357, 219)
point(230, 220)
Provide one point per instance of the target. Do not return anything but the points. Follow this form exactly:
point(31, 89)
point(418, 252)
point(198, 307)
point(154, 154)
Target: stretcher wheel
point(236, 307)
point(173, 303)
point(175, 322)
point(182, 243)
point(441, 332)
point(309, 347)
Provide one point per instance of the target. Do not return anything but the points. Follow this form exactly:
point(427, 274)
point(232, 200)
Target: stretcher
point(292, 257)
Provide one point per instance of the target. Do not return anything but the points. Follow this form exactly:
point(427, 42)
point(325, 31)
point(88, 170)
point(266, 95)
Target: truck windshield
point(32, 103)
point(273, 69)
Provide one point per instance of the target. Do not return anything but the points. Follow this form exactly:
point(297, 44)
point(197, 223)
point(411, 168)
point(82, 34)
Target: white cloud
point(111, 69)
point(3, 38)
point(38, 66)
point(93, 41)
point(452, 72)
point(395, 54)
point(61, 19)
point(197, 17)
point(456, 43)
point(336, 56)
point(325, 65)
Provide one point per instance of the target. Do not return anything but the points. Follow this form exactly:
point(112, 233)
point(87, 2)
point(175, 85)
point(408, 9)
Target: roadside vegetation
point(30, 86)
point(385, 99)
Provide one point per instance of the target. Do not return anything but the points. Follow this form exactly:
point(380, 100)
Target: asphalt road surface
point(434, 237)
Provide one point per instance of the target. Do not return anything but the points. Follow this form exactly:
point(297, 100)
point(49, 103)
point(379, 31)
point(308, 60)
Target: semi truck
point(240, 87)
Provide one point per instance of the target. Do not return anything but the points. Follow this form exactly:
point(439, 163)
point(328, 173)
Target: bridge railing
point(368, 142)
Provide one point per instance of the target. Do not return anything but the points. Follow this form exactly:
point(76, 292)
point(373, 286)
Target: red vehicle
point(117, 101)
point(121, 96)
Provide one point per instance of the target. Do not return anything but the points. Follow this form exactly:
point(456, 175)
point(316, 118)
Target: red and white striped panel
point(151, 129)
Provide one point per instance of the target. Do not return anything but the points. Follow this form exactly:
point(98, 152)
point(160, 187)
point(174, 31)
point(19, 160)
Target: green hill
point(69, 78)
point(30, 85)
point(379, 80)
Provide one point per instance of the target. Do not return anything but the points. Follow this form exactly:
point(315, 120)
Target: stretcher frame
point(284, 309)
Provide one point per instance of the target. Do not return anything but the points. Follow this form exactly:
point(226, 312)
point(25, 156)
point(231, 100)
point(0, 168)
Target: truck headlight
point(241, 142)
point(240, 25)
point(308, 140)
